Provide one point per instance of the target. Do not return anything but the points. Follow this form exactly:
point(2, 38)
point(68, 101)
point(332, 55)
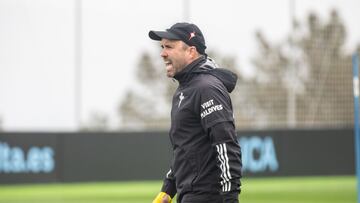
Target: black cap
point(186, 32)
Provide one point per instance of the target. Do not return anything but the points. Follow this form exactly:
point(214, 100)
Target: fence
point(69, 157)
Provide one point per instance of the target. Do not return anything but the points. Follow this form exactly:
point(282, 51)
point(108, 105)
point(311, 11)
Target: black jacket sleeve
point(228, 150)
point(218, 121)
point(169, 185)
point(215, 105)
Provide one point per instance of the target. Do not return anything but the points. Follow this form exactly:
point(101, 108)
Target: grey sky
point(37, 48)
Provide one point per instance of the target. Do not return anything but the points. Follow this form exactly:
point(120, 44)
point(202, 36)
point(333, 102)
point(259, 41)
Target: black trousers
point(232, 197)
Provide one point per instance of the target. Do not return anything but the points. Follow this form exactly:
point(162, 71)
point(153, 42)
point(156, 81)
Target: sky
point(38, 48)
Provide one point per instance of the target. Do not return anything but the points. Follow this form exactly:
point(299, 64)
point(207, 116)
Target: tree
point(97, 122)
point(329, 90)
point(309, 71)
point(147, 104)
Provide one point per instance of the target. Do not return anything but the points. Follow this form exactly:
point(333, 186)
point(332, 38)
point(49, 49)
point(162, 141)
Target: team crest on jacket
point(181, 97)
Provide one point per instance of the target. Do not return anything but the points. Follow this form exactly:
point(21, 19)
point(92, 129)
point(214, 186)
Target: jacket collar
point(184, 75)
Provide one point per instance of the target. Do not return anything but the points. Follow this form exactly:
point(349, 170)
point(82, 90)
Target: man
point(206, 164)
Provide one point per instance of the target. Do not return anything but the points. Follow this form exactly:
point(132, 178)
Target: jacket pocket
point(193, 161)
point(186, 168)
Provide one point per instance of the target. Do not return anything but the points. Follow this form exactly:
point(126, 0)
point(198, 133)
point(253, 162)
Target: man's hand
point(162, 197)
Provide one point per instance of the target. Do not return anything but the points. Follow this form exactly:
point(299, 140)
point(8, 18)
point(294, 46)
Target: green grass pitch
point(332, 189)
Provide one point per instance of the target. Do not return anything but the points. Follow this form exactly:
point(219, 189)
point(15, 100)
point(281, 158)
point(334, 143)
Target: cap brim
point(158, 35)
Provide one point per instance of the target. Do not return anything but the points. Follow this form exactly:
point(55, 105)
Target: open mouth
point(168, 63)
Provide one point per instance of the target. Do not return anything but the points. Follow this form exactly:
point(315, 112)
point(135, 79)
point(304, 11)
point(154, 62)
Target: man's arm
point(217, 120)
point(169, 185)
point(168, 189)
point(224, 140)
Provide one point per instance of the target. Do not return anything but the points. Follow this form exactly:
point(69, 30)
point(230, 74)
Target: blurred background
point(72, 65)
point(72, 71)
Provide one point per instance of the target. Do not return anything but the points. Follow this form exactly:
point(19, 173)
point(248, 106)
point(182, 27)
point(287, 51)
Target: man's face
point(175, 55)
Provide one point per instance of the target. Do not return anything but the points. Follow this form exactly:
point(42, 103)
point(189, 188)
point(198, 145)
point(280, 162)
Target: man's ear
point(193, 52)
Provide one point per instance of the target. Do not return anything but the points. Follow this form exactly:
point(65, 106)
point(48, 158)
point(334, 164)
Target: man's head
point(181, 44)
